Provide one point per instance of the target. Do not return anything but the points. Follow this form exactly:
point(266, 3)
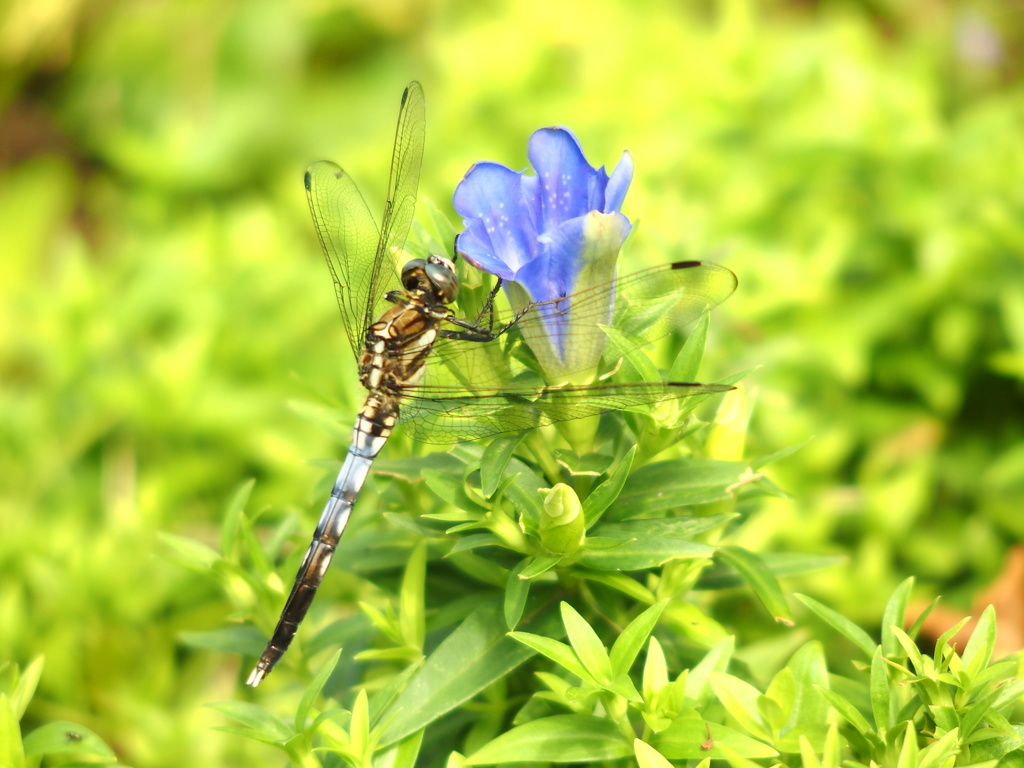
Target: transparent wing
point(446, 415)
point(475, 389)
point(645, 306)
point(348, 237)
point(361, 260)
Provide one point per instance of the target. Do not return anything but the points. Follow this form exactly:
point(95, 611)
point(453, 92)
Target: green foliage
point(169, 360)
point(58, 740)
point(597, 704)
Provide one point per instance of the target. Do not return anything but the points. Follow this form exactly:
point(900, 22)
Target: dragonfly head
point(434, 275)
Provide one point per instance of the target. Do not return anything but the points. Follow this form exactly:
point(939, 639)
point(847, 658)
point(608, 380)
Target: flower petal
point(618, 184)
point(499, 236)
point(565, 178)
point(580, 254)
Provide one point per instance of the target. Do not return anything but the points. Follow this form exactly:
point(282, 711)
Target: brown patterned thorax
point(397, 347)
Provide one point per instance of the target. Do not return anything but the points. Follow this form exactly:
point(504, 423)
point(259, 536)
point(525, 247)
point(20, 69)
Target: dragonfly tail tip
point(256, 676)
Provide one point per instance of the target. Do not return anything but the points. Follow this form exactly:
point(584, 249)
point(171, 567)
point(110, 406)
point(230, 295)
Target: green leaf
point(411, 606)
point(976, 712)
point(910, 648)
point(841, 624)
point(607, 492)
point(915, 628)
point(26, 686)
point(382, 701)
point(667, 485)
point(313, 690)
point(687, 363)
point(537, 566)
point(359, 725)
point(635, 364)
point(522, 493)
point(698, 682)
point(619, 582)
point(636, 552)
point(231, 639)
point(632, 639)
point(233, 514)
point(517, 590)
point(403, 754)
point(847, 711)
point(558, 652)
point(895, 611)
point(472, 657)
point(772, 708)
point(879, 690)
point(809, 712)
point(760, 579)
point(451, 489)
point(908, 752)
point(66, 737)
point(622, 685)
point(11, 750)
point(189, 552)
point(684, 528)
point(691, 622)
point(259, 724)
point(556, 739)
point(586, 644)
point(943, 649)
point(497, 454)
point(648, 757)
point(978, 651)
point(740, 700)
point(655, 676)
point(782, 565)
point(808, 757)
point(691, 738)
point(941, 752)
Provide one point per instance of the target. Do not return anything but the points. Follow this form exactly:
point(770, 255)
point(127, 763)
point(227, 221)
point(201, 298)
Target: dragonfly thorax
point(434, 276)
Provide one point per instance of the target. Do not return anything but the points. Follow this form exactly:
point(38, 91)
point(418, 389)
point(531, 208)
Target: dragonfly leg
point(489, 307)
point(475, 331)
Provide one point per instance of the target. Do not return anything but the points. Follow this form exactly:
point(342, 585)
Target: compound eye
point(443, 280)
point(411, 274)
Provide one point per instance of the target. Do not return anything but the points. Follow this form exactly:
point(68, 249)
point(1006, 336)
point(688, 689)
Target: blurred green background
point(859, 165)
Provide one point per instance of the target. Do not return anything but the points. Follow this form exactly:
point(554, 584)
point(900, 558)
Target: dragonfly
point(476, 387)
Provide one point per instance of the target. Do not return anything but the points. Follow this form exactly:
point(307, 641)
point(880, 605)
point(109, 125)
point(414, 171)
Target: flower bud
point(562, 527)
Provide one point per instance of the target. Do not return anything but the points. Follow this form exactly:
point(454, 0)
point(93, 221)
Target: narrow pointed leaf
point(687, 738)
point(895, 612)
point(740, 699)
point(497, 455)
point(56, 737)
point(687, 363)
point(633, 638)
point(556, 739)
point(841, 624)
point(560, 653)
point(411, 607)
point(605, 494)
point(978, 651)
point(473, 656)
point(258, 723)
point(517, 590)
point(847, 711)
point(587, 644)
point(760, 579)
point(26, 686)
point(314, 689)
point(879, 690)
point(648, 757)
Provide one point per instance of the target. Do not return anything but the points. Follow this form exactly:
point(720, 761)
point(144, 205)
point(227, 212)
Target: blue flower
point(548, 236)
